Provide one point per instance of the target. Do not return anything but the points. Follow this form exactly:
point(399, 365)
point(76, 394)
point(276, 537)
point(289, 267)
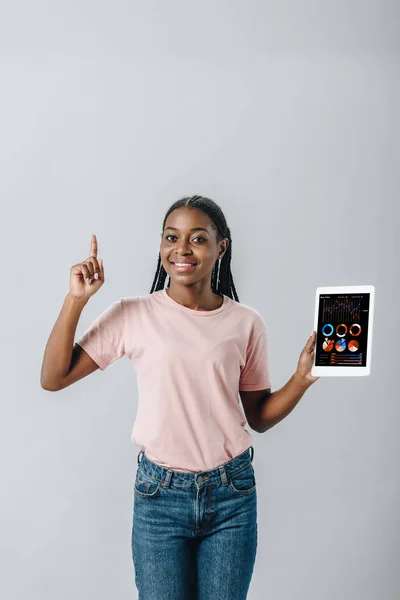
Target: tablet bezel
point(318, 371)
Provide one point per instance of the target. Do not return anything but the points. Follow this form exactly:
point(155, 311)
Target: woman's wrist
point(302, 380)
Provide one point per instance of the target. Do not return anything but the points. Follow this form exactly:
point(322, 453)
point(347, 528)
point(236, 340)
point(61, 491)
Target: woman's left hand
point(306, 360)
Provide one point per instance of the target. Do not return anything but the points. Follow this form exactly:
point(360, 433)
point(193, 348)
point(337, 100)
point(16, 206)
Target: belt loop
point(167, 479)
point(140, 453)
point(223, 475)
point(251, 453)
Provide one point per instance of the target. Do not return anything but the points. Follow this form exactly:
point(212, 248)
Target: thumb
point(311, 340)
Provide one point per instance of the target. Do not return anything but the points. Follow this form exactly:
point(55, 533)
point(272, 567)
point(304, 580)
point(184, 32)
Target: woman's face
point(181, 244)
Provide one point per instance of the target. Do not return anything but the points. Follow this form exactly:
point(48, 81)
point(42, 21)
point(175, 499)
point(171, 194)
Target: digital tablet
point(343, 323)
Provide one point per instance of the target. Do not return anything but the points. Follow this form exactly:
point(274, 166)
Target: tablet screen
point(342, 331)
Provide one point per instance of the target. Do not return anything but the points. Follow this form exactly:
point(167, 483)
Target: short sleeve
point(255, 373)
point(104, 340)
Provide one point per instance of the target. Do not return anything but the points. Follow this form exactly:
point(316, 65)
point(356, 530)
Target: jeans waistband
point(224, 471)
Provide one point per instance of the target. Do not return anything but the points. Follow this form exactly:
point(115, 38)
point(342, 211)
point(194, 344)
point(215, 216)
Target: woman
point(195, 348)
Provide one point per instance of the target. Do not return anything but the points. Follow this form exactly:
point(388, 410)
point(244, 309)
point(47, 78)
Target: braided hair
point(221, 278)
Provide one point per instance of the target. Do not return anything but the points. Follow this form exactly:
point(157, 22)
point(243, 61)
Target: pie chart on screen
point(327, 345)
point(340, 345)
point(353, 346)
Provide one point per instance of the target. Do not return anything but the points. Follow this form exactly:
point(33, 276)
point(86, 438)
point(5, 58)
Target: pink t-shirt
point(190, 366)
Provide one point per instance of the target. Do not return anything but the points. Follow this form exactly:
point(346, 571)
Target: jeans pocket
point(243, 482)
point(145, 485)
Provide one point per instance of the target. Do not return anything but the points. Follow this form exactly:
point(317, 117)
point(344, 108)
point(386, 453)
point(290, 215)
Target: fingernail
point(96, 275)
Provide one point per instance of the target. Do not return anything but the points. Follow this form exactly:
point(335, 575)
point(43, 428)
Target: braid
point(221, 277)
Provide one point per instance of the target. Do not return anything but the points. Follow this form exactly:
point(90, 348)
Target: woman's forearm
point(58, 351)
point(281, 402)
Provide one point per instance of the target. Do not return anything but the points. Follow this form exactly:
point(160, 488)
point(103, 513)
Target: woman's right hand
point(82, 283)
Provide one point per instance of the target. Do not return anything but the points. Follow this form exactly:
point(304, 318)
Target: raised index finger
point(93, 246)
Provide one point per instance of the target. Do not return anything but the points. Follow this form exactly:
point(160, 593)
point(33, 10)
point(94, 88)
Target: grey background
point(285, 114)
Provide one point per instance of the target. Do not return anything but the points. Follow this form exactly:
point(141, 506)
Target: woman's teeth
point(184, 266)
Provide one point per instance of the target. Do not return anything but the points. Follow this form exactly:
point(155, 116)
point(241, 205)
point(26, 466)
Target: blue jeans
point(194, 535)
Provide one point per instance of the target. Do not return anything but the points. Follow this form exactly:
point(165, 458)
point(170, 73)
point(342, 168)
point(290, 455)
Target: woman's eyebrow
point(193, 229)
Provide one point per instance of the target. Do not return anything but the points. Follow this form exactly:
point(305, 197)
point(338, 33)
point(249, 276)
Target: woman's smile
point(183, 268)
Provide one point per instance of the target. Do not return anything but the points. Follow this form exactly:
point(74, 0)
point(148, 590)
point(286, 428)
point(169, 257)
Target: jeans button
point(199, 479)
